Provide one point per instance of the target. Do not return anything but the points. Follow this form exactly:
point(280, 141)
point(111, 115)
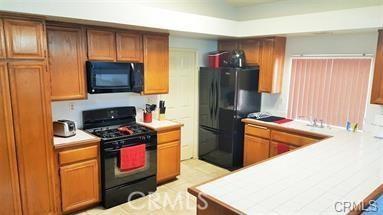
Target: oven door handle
point(148, 148)
point(112, 150)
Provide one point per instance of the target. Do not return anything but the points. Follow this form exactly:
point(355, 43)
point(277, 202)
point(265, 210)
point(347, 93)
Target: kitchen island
point(329, 177)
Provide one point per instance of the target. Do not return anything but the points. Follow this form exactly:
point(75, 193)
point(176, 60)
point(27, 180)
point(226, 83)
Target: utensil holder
point(148, 117)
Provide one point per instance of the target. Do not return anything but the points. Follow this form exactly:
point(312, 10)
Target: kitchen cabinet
point(30, 99)
point(255, 149)
point(2, 41)
point(256, 144)
point(291, 139)
point(79, 177)
point(129, 46)
point(377, 85)
point(168, 154)
point(266, 52)
point(156, 62)
point(101, 45)
point(271, 64)
point(228, 45)
point(252, 49)
point(274, 148)
point(67, 56)
point(25, 39)
point(261, 141)
point(10, 202)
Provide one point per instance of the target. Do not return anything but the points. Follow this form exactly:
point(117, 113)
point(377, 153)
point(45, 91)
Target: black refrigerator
point(226, 95)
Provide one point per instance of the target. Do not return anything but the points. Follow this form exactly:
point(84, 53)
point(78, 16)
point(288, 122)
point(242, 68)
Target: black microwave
point(112, 77)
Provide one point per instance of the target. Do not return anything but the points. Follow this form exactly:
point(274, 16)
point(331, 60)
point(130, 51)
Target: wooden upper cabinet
point(9, 182)
point(271, 64)
point(227, 45)
point(156, 62)
point(2, 41)
point(252, 49)
point(377, 86)
point(129, 46)
point(101, 45)
point(24, 39)
point(67, 56)
point(30, 92)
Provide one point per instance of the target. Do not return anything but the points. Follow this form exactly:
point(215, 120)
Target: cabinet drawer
point(258, 131)
point(292, 139)
point(168, 136)
point(79, 154)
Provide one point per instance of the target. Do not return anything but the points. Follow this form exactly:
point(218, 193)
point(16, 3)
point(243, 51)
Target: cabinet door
point(266, 65)
point(156, 61)
point(255, 150)
point(9, 182)
point(79, 185)
point(168, 161)
point(30, 92)
point(66, 47)
point(274, 148)
point(24, 39)
point(252, 49)
point(271, 64)
point(101, 45)
point(129, 46)
point(227, 45)
point(377, 86)
point(2, 41)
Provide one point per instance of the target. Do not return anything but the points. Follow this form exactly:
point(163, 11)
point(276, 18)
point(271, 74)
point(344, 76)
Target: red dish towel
point(281, 121)
point(282, 148)
point(132, 157)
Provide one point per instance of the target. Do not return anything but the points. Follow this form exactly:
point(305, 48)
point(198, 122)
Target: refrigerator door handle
point(211, 95)
point(216, 99)
point(215, 131)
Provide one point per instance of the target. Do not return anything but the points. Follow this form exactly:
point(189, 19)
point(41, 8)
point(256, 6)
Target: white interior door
point(181, 101)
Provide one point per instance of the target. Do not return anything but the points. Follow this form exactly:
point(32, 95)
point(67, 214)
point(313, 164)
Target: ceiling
point(243, 3)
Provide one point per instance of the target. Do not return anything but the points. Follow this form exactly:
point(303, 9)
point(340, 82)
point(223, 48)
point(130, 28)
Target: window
point(330, 89)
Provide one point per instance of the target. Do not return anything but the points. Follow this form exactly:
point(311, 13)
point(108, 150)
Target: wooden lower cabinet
point(79, 185)
point(255, 149)
point(9, 180)
point(79, 177)
point(168, 155)
point(261, 142)
point(274, 148)
point(30, 99)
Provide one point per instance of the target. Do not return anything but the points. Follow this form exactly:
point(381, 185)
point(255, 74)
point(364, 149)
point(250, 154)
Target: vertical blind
point(330, 89)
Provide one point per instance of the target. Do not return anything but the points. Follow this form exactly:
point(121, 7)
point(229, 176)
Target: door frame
point(196, 97)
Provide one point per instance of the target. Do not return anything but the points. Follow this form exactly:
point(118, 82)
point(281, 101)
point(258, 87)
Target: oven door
point(112, 175)
point(108, 77)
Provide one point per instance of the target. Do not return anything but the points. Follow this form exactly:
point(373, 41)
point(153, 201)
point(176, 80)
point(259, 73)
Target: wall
point(323, 44)
point(132, 13)
point(72, 109)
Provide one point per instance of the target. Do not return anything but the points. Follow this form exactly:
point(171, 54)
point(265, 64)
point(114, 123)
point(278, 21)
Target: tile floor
point(170, 198)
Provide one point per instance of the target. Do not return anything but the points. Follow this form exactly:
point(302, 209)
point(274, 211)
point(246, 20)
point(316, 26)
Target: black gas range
point(118, 130)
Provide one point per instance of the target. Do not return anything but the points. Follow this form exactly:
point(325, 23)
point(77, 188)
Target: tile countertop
point(161, 125)
point(316, 179)
point(80, 138)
